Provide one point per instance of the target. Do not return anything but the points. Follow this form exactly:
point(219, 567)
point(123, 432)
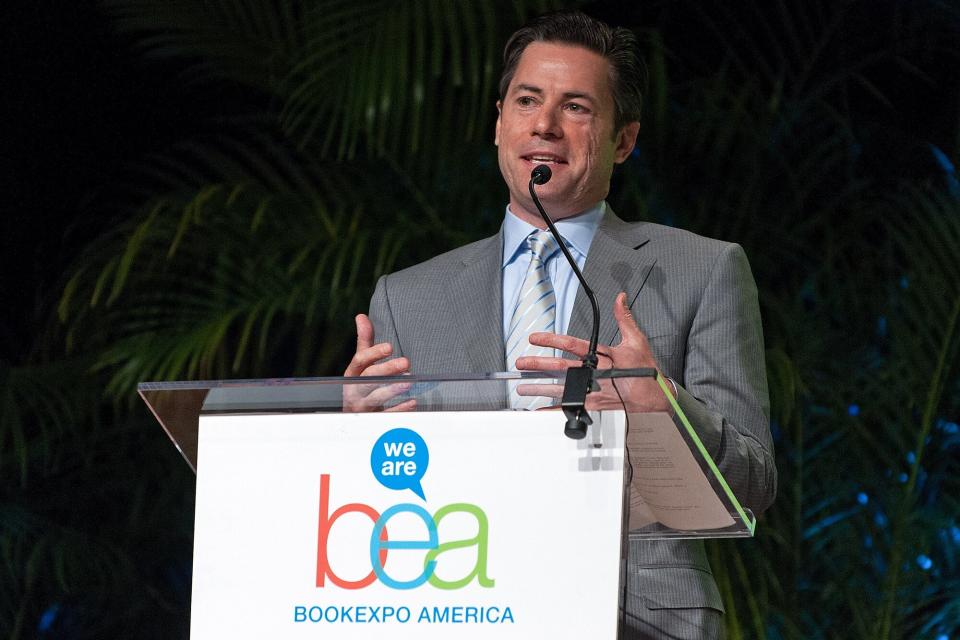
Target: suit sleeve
point(381, 315)
point(724, 391)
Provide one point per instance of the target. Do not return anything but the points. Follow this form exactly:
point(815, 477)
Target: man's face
point(559, 111)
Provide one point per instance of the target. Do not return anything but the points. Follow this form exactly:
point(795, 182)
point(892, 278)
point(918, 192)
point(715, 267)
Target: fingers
point(629, 331)
point(367, 353)
point(394, 367)
point(364, 357)
point(602, 401)
point(360, 404)
point(382, 393)
point(406, 405)
point(543, 363)
point(364, 362)
point(575, 346)
point(364, 332)
point(545, 390)
point(634, 394)
point(364, 398)
point(368, 361)
point(368, 397)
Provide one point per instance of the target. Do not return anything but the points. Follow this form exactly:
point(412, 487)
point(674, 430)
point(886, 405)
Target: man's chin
point(559, 204)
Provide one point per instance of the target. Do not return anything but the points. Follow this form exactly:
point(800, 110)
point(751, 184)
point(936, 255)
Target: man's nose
point(547, 124)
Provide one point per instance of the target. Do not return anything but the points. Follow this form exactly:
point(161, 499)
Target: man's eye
point(524, 101)
point(576, 108)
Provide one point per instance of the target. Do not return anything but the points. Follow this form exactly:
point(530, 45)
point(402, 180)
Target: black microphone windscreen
point(541, 174)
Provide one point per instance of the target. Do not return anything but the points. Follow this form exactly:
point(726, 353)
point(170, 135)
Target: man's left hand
point(633, 352)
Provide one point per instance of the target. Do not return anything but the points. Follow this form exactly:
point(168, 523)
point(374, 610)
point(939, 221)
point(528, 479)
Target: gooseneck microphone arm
point(541, 174)
point(579, 381)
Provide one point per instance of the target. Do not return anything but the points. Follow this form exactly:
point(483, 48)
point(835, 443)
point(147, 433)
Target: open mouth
point(544, 158)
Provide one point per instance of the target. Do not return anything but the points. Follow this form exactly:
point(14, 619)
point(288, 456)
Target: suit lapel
point(475, 291)
point(476, 301)
point(615, 263)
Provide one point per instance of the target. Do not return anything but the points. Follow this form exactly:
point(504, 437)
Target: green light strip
point(751, 523)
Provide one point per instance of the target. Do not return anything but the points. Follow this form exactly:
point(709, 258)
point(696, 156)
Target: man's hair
point(628, 73)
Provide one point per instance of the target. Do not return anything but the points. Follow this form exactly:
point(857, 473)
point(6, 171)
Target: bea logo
point(399, 460)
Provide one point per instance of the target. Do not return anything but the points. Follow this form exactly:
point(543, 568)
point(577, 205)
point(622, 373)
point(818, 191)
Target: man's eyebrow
point(568, 95)
point(528, 88)
point(575, 95)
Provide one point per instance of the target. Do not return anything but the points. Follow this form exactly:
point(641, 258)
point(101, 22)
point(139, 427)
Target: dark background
point(81, 104)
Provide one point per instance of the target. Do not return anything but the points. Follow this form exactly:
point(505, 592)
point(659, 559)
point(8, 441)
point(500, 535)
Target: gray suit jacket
point(695, 299)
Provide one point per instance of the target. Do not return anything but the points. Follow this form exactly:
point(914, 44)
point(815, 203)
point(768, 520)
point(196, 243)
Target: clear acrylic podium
point(178, 407)
point(320, 513)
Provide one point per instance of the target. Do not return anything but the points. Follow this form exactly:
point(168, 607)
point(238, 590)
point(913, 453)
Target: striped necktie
point(536, 310)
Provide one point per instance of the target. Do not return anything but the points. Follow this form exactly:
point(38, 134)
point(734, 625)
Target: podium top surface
point(178, 405)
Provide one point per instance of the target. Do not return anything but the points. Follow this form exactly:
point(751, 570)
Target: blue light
point(863, 498)
point(880, 519)
point(924, 562)
point(911, 457)
point(48, 618)
point(942, 159)
point(882, 326)
point(943, 636)
point(776, 431)
point(902, 477)
point(868, 542)
point(853, 409)
point(904, 282)
point(955, 534)
point(950, 427)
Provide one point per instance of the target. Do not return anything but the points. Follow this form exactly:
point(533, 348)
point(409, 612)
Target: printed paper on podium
point(668, 486)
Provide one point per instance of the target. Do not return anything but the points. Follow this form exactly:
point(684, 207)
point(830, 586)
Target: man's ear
point(496, 134)
point(626, 140)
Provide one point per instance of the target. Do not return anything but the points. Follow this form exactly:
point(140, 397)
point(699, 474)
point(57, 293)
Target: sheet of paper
point(668, 484)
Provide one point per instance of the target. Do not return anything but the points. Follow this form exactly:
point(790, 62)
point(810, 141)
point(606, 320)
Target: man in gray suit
point(570, 98)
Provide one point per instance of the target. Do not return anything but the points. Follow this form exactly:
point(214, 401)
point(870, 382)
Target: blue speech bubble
point(399, 459)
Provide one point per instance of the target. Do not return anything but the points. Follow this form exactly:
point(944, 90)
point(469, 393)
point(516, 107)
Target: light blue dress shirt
point(577, 231)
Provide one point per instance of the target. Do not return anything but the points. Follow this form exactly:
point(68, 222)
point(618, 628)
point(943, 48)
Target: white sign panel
point(415, 525)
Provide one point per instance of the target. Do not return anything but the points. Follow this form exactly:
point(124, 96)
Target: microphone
point(579, 381)
point(541, 174)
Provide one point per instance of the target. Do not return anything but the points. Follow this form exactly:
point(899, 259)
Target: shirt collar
point(577, 231)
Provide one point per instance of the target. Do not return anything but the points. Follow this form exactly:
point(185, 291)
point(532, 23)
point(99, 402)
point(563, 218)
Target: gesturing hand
point(639, 394)
point(368, 361)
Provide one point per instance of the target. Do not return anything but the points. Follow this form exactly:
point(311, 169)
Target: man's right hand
point(369, 361)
